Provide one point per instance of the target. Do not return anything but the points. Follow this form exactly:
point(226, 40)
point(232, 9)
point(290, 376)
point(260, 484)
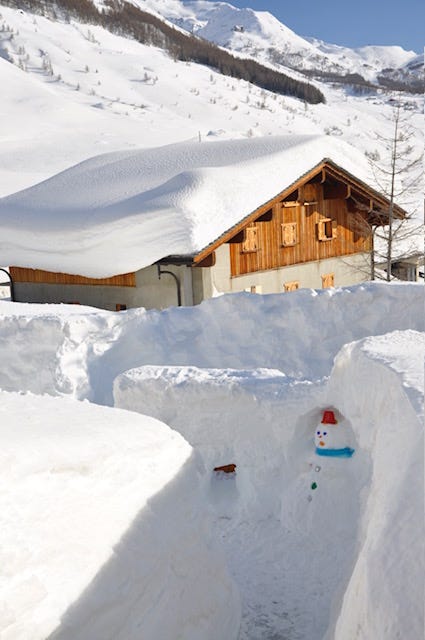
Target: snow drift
point(104, 531)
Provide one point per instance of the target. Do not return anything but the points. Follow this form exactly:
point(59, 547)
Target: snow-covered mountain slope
point(260, 34)
point(75, 91)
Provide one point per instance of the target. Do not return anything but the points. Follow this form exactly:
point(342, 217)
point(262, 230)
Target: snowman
point(331, 439)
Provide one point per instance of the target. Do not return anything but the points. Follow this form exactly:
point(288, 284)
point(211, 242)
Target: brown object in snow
point(226, 468)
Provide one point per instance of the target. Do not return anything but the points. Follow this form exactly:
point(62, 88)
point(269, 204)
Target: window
point(291, 286)
point(250, 243)
point(289, 235)
point(327, 229)
point(120, 307)
point(328, 280)
point(254, 288)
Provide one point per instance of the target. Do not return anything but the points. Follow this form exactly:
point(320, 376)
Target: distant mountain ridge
point(261, 35)
point(255, 35)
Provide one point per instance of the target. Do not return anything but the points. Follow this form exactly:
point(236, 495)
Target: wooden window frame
point(327, 229)
point(250, 244)
point(284, 227)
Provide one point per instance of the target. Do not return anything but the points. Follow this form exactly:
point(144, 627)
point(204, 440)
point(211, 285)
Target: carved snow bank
point(79, 350)
point(344, 535)
point(103, 530)
point(379, 383)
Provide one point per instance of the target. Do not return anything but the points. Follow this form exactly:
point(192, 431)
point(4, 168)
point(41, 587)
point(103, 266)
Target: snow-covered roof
point(120, 212)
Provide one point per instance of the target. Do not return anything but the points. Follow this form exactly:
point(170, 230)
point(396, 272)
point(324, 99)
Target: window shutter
point(328, 280)
point(250, 243)
point(327, 229)
point(321, 235)
point(291, 286)
point(289, 234)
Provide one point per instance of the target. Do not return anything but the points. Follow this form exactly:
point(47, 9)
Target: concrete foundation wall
point(150, 291)
point(197, 284)
point(347, 270)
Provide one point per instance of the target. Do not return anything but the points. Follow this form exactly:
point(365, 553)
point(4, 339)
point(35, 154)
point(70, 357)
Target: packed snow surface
point(314, 535)
point(140, 206)
point(245, 379)
point(103, 529)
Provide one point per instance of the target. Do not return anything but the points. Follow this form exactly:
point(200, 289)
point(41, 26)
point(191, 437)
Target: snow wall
point(244, 379)
point(79, 351)
point(351, 547)
point(104, 531)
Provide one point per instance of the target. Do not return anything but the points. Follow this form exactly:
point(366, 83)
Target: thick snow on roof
point(120, 212)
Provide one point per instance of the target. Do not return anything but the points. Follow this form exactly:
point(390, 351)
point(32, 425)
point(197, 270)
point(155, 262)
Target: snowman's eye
point(325, 433)
point(318, 433)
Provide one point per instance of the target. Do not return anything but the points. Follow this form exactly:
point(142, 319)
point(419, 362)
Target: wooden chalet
point(315, 233)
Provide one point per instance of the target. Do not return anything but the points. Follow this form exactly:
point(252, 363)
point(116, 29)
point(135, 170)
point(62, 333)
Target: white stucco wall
point(347, 270)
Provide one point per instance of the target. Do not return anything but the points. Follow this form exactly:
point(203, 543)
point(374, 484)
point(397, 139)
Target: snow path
point(308, 561)
point(296, 550)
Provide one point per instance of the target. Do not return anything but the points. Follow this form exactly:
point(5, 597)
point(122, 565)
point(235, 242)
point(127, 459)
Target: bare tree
point(397, 174)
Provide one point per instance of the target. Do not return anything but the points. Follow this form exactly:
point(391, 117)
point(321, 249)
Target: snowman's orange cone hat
point(329, 417)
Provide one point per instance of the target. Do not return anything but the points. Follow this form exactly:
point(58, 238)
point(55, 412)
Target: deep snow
point(141, 206)
point(103, 529)
point(245, 379)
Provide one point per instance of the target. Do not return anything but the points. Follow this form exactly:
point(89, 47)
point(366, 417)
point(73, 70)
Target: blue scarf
point(346, 452)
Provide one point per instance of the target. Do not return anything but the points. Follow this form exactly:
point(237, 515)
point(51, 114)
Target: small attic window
point(327, 229)
point(250, 244)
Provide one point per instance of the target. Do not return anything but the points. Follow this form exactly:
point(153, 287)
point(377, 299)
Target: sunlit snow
point(113, 524)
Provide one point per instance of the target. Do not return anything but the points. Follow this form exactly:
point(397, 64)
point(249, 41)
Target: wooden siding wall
point(271, 253)
point(20, 274)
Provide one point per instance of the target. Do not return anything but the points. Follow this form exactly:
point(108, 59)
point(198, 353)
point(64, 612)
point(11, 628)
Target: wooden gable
point(327, 213)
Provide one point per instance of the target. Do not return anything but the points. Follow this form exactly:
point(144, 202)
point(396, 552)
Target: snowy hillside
point(75, 91)
point(308, 539)
point(260, 34)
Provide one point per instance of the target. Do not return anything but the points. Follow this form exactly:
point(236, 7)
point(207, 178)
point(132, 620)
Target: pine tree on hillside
point(125, 19)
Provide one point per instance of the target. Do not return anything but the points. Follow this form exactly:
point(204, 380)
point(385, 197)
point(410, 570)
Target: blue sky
point(353, 24)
